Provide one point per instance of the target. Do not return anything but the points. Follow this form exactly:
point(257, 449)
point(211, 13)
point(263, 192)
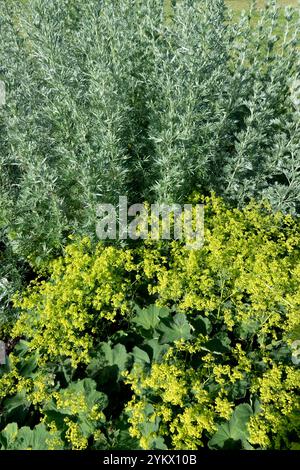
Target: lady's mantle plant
point(210, 363)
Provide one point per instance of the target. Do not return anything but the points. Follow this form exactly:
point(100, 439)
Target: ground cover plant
point(160, 346)
point(149, 345)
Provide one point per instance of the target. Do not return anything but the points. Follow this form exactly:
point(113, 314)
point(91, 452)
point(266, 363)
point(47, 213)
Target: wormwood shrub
point(108, 98)
point(188, 348)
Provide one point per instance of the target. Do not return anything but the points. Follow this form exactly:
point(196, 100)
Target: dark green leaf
point(178, 329)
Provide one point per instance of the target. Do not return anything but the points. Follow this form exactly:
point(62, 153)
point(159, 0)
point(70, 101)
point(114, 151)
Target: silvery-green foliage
point(13, 274)
point(107, 98)
point(265, 161)
point(226, 117)
point(189, 75)
point(73, 122)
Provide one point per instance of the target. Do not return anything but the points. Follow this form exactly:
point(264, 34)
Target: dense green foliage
point(108, 99)
point(149, 344)
point(112, 98)
point(160, 346)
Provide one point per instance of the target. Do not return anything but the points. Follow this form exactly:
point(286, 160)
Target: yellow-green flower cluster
point(59, 314)
point(278, 389)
